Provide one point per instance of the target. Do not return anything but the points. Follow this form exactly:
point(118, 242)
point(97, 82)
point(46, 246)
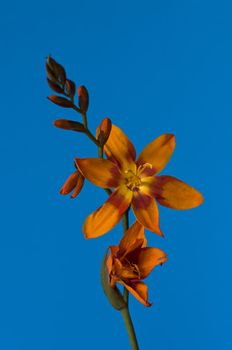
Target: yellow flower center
point(132, 180)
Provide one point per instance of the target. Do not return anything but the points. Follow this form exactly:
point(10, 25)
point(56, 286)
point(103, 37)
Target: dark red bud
point(50, 74)
point(56, 69)
point(70, 88)
point(69, 125)
point(73, 183)
point(103, 131)
point(83, 98)
point(57, 88)
point(61, 101)
point(69, 184)
point(79, 185)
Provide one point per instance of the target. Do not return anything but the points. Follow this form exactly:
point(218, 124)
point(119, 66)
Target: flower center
point(133, 267)
point(132, 180)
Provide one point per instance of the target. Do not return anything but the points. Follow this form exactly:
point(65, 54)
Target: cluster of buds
point(58, 82)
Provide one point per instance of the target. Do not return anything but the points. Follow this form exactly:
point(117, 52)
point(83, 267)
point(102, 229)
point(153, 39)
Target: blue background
point(152, 67)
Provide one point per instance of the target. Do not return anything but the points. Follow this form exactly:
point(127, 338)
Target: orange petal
point(101, 172)
point(135, 234)
point(146, 212)
point(157, 153)
point(147, 185)
point(79, 185)
point(139, 290)
point(109, 214)
point(148, 258)
point(174, 193)
point(70, 183)
point(119, 149)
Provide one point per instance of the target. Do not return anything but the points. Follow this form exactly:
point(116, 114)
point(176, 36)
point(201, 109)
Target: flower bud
point(70, 88)
point(83, 98)
point(69, 184)
point(56, 70)
point(61, 101)
point(79, 185)
point(73, 183)
point(103, 131)
point(57, 88)
point(50, 74)
point(69, 125)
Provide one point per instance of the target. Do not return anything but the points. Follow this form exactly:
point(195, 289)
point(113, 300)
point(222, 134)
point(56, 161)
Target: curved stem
point(91, 137)
point(130, 328)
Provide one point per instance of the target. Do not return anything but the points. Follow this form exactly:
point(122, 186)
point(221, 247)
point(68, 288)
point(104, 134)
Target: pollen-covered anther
point(132, 180)
point(142, 167)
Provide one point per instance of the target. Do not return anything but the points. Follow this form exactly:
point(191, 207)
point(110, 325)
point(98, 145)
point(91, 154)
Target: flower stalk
point(130, 328)
point(125, 311)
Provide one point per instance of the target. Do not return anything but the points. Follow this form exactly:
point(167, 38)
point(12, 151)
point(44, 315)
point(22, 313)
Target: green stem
point(125, 225)
point(91, 137)
point(130, 328)
point(125, 311)
point(100, 152)
point(84, 117)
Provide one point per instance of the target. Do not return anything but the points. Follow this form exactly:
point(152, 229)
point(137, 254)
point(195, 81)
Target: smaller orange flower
point(74, 184)
point(132, 261)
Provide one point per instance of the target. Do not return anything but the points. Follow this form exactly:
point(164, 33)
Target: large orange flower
point(131, 262)
point(134, 183)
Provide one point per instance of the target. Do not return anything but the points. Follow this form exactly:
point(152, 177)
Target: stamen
point(132, 180)
point(142, 167)
point(133, 267)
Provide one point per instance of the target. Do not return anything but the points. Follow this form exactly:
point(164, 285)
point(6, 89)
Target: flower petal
point(133, 238)
point(148, 258)
point(146, 212)
point(174, 193)
point(147, 185)
point(109, 214)
point(157, 153)
point(101, 172)
point(119, 149)
point(139, 290)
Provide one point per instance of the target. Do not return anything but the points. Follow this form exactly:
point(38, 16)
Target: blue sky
point(153, 67)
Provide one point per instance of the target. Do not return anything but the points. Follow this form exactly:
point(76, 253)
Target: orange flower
point(73, 183)
point(134, 183)
point(131, 262)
